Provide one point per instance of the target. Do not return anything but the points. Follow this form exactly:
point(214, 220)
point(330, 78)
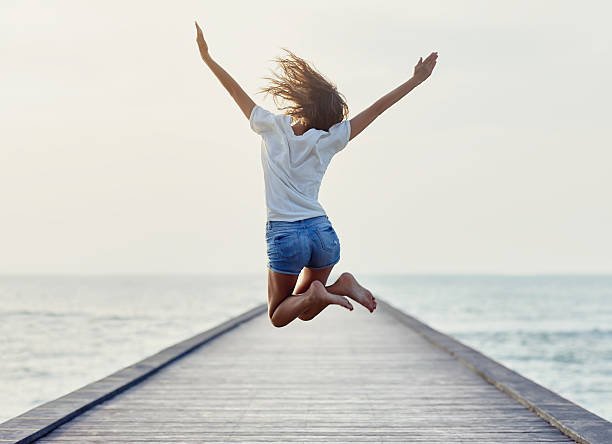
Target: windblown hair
point(311, 97)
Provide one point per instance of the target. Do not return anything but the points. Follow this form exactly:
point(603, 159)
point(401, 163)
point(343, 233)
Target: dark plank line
point(374, 380)
point(576, 422)
point(343, 377)
point(41, 420)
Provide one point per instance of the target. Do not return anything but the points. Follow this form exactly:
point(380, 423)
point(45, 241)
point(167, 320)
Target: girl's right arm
point(242, 99)
point(422, 71)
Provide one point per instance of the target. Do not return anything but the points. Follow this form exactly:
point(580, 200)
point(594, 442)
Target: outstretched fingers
point(200, 40)
point(430, 61)
point(199, 32)
point(431, 58)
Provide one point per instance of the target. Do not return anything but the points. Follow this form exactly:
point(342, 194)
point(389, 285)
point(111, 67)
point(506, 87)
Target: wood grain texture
point(39, 421)
point(573, 420)
point(342, 377)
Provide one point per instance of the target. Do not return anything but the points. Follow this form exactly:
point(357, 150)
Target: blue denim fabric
point(311, 243)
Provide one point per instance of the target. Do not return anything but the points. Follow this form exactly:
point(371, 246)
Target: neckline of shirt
point(289, 129)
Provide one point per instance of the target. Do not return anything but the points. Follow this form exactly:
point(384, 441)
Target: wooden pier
point(342, 377)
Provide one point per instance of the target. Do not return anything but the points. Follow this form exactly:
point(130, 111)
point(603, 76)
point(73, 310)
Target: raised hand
point(423, 68)
point(201, 42)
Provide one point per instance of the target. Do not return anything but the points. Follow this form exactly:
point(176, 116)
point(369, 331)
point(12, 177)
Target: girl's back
point(294, 165)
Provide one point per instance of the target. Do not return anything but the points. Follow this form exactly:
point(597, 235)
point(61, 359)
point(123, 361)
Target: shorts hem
point(284, 272)
point(325, 266)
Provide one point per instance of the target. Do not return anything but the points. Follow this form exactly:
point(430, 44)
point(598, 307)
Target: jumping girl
point(296, 149)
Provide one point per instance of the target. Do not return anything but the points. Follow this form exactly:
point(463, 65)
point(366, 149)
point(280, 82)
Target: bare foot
point(320, 295)
point(348, 285)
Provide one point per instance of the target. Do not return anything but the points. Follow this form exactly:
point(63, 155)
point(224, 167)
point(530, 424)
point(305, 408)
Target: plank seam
point(582, 426)
point(26, 427)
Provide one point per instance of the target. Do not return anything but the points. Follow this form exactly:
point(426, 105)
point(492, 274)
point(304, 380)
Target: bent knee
point(275, 321)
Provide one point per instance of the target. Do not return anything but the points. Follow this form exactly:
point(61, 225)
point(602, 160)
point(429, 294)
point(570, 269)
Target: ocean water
point(59, 333)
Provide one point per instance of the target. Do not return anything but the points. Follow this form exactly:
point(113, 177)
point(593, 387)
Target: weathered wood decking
point(343, 377)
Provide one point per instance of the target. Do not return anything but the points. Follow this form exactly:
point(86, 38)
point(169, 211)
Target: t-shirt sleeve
point(261, 120)
point(336, 138)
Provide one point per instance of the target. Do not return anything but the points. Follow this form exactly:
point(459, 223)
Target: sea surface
point(58, 333)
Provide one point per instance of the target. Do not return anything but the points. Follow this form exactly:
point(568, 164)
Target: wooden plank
point(343, 377)
point(41, 420)
point(576, 422)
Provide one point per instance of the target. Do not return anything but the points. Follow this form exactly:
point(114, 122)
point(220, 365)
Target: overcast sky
point(121, 152)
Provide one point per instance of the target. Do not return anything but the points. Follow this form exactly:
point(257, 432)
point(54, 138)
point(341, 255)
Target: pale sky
point(121, 152)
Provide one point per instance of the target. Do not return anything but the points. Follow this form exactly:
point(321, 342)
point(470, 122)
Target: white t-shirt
point(293, 165)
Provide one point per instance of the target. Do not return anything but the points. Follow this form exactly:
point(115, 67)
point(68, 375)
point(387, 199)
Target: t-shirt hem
point(293, 218)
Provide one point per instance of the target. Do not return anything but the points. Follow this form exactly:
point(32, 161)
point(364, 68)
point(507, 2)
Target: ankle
point(345, 278)
point(341, 285)
point(313, 292)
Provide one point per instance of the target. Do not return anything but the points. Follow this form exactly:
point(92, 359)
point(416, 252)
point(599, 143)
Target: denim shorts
point(311, 243)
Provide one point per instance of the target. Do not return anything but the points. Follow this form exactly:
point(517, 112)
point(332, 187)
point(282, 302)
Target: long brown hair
point(310, 96)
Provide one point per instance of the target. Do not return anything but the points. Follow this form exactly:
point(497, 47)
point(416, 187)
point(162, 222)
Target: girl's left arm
point(243, 100)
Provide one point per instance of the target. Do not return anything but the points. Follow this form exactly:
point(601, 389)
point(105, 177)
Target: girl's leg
point(284, 307)
point(345, 285)
point(308, 276)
